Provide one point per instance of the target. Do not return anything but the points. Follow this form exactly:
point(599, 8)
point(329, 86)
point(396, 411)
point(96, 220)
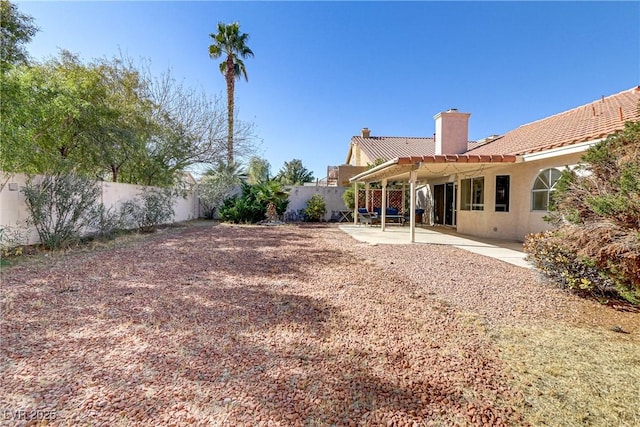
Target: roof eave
point(362, 176)
point(560, 151)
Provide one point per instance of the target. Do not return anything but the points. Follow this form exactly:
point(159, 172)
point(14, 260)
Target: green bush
point(596, 244)
point(251, 205)
point(152, 208)
point(315, 209)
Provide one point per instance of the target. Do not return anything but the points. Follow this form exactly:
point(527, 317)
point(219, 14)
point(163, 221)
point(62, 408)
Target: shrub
point(152, 208)
point(61, 207)
point(251, 205)
point(12, 240)
point(596, 245)
point(315, 209)
point(109, 222)
point(215, 187)
point(564, 267)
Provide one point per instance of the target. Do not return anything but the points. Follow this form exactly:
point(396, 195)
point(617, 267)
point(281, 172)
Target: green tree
point(120, 134)
point(49, 126)
point(230, 42)
point(294, 173)
point(16, 30)
point(259, 170)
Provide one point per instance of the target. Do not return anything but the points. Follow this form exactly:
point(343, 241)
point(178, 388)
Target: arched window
point(542, 189)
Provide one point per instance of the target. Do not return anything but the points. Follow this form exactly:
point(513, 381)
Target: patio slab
point(504, 250)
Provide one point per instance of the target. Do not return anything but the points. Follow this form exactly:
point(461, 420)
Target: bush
point(109, 222)
point(251, 205)
point(596, 245)
point(215, 187)
point(152, 208)
point(316, 208)
point(62, 206)
point(605, 276)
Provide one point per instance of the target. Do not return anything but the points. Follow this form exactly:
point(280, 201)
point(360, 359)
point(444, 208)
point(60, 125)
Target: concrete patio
point(507, 251)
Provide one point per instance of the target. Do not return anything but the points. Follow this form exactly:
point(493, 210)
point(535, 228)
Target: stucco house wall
point(521, 219)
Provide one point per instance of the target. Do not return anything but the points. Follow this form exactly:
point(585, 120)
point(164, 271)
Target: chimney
point(452, 132)
point(365, 133)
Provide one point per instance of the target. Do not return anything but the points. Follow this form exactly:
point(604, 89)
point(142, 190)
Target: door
point(444, 204)
point(450, 203)
point(438, 204)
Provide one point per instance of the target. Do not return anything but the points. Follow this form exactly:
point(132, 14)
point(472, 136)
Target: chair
point(366, 217)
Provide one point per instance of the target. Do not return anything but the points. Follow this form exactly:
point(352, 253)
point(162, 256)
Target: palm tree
point(231, 42)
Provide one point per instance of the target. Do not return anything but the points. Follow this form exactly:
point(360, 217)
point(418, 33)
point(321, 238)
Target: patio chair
point(366, 217)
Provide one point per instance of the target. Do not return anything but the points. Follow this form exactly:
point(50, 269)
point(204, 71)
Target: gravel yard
point(247, 325)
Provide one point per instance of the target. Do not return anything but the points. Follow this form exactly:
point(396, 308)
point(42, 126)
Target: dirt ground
point(246, 325)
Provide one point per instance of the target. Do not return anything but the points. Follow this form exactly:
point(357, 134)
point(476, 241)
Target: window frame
point(471, 204)
point(507, 194)
point(550, 188)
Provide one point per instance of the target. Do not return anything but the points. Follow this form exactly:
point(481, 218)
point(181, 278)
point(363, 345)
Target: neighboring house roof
point(589, 122)
point(390, 147)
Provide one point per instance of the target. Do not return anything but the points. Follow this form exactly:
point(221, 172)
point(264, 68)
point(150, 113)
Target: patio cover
point(412, 169)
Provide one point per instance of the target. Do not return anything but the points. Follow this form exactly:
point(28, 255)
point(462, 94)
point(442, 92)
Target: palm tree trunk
point(231, 79)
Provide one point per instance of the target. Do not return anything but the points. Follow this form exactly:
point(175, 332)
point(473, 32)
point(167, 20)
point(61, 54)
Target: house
point(498, 187)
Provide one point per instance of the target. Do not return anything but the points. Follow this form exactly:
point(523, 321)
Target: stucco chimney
point(452, 132)
point(365, 133)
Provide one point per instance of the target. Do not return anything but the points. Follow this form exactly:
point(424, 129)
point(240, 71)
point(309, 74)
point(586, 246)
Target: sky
point(324, 70)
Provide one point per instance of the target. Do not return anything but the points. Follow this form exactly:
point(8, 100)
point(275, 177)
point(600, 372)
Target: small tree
point(315, 209)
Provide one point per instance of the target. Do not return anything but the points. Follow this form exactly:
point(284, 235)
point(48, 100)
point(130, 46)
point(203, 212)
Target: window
point(543, 186)
point(472, 194)
point(502, 193)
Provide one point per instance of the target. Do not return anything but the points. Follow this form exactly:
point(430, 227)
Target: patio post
point(355, 209)
point(404, 200)
point(367, 196)
point(413, 175)
point(383, 210)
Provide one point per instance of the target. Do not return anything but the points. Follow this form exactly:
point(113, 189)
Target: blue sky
point(324, 70)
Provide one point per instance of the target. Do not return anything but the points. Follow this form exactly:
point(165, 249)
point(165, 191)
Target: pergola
point(413, 169)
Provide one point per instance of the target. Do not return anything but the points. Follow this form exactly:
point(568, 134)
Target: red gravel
point(230, 325)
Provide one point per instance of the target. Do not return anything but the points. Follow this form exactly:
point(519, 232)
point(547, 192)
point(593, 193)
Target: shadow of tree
point(198, 328)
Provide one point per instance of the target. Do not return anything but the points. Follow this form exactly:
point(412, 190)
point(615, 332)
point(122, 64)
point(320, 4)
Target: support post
point(355, 209)
point(367, 196)
point(383, 209)
point(413, 177)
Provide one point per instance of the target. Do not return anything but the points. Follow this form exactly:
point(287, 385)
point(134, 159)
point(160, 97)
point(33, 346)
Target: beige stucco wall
point(358, 157)
point(520, 220)
point(299, 195)
point(14, 212)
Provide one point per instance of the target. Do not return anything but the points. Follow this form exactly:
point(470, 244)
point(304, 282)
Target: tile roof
point(585, 123)
point(390, 147)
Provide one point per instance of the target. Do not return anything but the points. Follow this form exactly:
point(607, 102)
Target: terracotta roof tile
point(585, 123)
